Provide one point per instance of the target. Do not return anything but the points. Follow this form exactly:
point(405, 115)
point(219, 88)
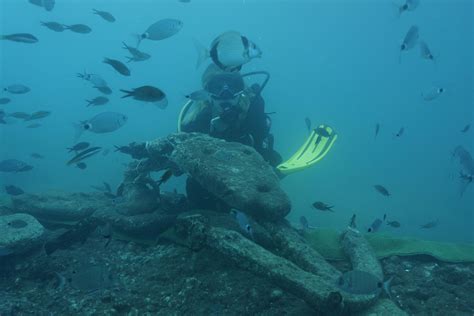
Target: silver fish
point(104, 90)
point(105, 15)
point(432, 94)
point(20, 37)
point(409, 5)
point(199, 95)
point(118, 66)
point(376, 224)
point(362, 283)
point(410, 40)
point(229, 51)
point(96, 80)
point(425, 51)
point(161, 30)
point(105, 122)
point(243, 222)
point(17, 89)
point(429, 225)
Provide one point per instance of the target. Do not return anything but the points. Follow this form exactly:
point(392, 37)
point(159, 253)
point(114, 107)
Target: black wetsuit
point(253, 131)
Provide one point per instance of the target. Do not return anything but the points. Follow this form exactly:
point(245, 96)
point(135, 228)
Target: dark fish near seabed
point(430, 224)
point(229, 51)
point(307, 121)
point(36, 156)
point(13, 190)
point(84, 155)
point(38, 115)
point(376, 224)
point(78, 147)
point(105, 15)
point(4, 101)
point(161, 30)
point(465, 159)
point(243, 222)
point(137, 55)
point(78, 28)
point(54, 26)
point(34, 125)
point(395, 224)
point(97, 101)
point(362, 283)
point(118, 66)
point(89, 279)
point(165, 177)
point(382, 190)
point(377, 129)
point(19, 115)
point(466, 128)
point(81, 165)
point(147, 94)
point(322, 206)
point(17, 89)
point(14, 166)
point(20, 37)
point(400, 132)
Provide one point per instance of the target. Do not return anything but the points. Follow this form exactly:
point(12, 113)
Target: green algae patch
point(326, 242)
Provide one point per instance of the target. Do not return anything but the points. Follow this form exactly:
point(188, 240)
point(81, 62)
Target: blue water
point(335, 62)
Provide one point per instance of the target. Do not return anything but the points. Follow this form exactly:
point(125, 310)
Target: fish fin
point(386, 287)
point(128, 93)
point(79, 129)
point(203, 53)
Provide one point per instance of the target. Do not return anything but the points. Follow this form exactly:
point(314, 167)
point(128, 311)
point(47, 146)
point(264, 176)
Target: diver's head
point(225, 90)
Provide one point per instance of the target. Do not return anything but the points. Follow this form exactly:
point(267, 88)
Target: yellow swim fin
point(313, 150)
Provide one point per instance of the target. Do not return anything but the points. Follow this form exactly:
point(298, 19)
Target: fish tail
point(66, 27)
point(202, 51)
point(125, 46)
point(106, 60)
point(95, 11)
point(89, 102)
point(386, 287)
point(330, 208)
point(128, 93)
point(139, 38)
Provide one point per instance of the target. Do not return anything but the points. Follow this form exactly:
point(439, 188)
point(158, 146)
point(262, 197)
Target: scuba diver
point(229, 109)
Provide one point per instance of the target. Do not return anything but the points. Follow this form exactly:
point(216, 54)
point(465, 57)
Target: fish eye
point(440, 90)
point(403, 47)
point(87, 126)
point(379, 284)
point(247, 227)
